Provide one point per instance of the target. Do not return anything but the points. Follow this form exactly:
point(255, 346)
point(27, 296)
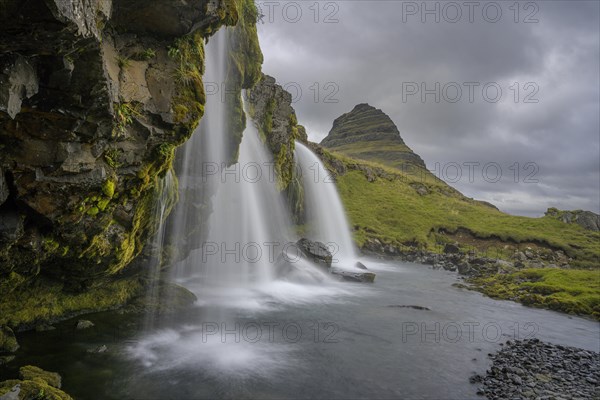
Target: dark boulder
point(316, 252)
point(366, 277)
point(450, 248)
point(360, 265)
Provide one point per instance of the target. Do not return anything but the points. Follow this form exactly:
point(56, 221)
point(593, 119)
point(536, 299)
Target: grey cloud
point(370, 53)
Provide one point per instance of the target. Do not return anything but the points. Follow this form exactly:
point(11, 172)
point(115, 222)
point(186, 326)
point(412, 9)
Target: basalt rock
point(316, 252)
point(534, 369)
point(586, 219)
point(353, 276)
point(272, 112)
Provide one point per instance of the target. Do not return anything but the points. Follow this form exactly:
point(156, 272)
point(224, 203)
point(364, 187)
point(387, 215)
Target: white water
point(249, 228)
point(325, 214)
point(239, 264)
point(166, 188)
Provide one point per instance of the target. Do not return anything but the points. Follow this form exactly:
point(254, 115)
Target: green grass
point(390, 153)
point(390, 209)
point(567, 290)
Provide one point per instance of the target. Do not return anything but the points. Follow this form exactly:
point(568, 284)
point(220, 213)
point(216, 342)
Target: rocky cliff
point(586, 219)
point(272, 112)
point(95, 96)
point(367, 133)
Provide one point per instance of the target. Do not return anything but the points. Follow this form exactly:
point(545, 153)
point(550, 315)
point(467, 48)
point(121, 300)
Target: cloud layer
point(513, 88)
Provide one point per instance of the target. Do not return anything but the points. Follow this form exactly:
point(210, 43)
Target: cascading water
point(166, 189)
point(324, 210)
point(248, 227)
point(238, 264)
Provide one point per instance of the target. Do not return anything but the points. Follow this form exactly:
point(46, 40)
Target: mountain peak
point(368, 133)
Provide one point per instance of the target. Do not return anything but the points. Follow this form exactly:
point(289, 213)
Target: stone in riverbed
point(360, 265)
point(317, 252)
point(84, 324)
point(367, 277)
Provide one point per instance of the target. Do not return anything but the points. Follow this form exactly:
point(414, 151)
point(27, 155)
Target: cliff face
point(95, 95)
point(271, 109)
point(586, 219)
point(368, 133)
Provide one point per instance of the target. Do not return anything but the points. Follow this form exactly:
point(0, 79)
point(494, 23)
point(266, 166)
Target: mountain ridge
point(368, 133)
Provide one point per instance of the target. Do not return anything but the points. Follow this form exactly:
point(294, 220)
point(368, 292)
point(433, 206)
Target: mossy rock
point(36, 389)
point(170, 298)
point(45, 301)
point(32, 373)
point(8, 341)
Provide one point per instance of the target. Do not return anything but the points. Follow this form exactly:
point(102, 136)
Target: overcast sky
point(543, 56)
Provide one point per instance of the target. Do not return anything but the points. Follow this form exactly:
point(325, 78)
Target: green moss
point(30, 373)
point(45, 300)
point(108, 188)
point(188, 104)
point(8, 341)
point(112, 158)
point(34, 390)
point(50, 245)
point(102, 204)
point(93, 211)
point(124, 113)
point(567, 290)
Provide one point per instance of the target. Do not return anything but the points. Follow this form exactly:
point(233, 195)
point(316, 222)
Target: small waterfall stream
point(166, 189)
point(325, 214)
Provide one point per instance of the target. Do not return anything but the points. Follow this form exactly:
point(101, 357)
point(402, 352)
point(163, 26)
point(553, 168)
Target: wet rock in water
point(534, 369)
point(8, 341)
point(360, 265)
point(44, 328)
point(98, 350)
point(30, 373)
point(6, 360)
point(12, 394)
point(316, 252)
point(410, 306)
point(84, 324)
point(367, 277)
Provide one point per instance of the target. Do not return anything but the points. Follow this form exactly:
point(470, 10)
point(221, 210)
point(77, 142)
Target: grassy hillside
point(387, 152)
point(417, 210)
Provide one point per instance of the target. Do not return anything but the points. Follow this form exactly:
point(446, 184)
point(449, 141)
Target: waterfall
point(165, 189)
point(248, 225)
point(324, 211)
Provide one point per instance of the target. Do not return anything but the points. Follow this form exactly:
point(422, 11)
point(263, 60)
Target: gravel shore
point(531, 369)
